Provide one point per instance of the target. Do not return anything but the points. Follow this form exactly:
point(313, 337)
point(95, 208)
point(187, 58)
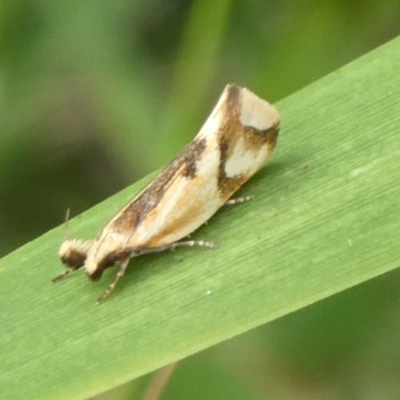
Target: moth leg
point(238, 200)
point(64, 274)
point(173, 246)
point(118, 276)
point(192, 243)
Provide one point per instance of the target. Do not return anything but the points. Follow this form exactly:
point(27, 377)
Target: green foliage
point(323, 219)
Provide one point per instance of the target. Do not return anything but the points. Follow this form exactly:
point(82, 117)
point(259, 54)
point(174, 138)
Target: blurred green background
point(96, 94)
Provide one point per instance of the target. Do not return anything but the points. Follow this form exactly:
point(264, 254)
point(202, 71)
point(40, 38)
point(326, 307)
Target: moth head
point(73, 253)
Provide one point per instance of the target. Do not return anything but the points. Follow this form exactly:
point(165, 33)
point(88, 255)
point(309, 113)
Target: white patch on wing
point(244, 162)
point(256, 112)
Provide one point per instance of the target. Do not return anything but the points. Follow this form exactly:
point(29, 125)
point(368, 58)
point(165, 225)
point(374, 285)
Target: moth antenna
point(66, 224)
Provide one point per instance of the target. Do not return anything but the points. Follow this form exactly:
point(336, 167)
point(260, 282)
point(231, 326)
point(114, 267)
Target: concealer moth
point(236, 141)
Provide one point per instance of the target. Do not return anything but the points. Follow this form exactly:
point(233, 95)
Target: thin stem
point(159, 382)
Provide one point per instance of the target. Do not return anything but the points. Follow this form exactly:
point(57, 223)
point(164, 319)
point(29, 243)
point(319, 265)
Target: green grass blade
point(325, 217)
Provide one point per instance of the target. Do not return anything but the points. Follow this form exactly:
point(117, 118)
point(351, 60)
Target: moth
point(236, 141)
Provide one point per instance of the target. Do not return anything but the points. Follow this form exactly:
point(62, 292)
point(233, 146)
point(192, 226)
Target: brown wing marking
point(135, 212)
point(230, 134)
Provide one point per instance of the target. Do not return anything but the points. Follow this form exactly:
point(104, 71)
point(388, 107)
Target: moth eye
point(74, 259)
